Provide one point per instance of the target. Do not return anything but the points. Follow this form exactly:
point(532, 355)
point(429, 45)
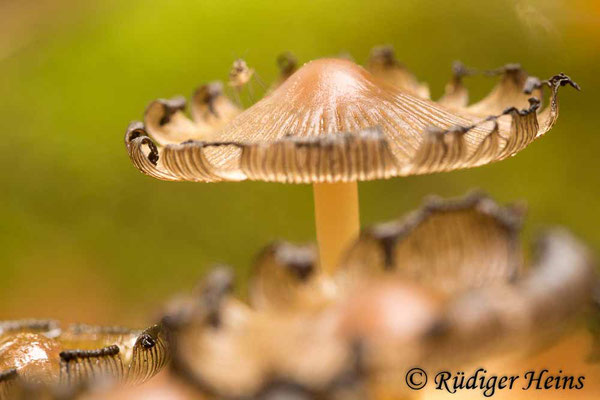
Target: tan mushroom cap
point(34, 352)
point(474, 239)
point(334, 121)
point(32, 356)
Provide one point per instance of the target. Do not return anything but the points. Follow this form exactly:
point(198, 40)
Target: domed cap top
point(336, 95)
point(325, 82)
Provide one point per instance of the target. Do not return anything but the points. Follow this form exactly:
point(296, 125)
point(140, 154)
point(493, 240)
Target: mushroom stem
point(337, 220)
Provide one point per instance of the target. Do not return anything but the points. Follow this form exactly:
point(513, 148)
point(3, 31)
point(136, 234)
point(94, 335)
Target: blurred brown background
point(86, 237)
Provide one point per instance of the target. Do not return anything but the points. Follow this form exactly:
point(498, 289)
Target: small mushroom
point(331, 123)
point(40, 356)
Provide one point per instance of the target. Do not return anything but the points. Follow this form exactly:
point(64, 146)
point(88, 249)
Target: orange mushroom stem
point(336, 219)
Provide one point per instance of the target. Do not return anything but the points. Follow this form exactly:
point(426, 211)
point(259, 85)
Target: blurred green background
point(87, 237)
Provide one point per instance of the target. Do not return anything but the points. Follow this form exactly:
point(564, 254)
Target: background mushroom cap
point(34, 356)
point(393, 310)
point(39, 352)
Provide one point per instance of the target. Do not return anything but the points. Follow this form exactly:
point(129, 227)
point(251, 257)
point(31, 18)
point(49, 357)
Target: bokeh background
point(86, 237)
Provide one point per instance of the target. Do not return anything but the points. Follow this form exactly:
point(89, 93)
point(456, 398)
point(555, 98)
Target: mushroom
point(332, 123)
point(39, 355)
point(417, 291)
point(443, 287)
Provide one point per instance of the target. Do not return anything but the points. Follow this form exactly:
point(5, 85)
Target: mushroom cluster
point(332, 123)
point(444, 286)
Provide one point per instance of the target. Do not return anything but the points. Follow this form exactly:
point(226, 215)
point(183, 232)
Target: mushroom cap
point(334, 121)
point(34, 356)
point(40, 352)
point(393, 310)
